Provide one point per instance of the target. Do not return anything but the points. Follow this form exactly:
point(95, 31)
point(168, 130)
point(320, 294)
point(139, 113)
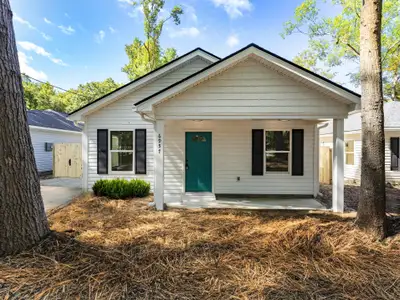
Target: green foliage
point(88, 92)
point(43, 96)
point(146, 56)
point(335, 40)
point(121, 188)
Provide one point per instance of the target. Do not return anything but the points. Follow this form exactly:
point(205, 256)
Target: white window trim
point(349, 152)
point(289, 172)
point(110, 171)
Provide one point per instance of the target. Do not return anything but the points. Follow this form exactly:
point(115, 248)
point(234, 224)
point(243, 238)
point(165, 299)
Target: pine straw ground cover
point(126, 250)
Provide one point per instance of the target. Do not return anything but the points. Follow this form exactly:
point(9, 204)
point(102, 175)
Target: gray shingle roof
point(51, 119)
point(353, 122)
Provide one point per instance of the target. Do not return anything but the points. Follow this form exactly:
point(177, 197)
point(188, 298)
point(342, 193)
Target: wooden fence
point(67, 160)
point(325, 165)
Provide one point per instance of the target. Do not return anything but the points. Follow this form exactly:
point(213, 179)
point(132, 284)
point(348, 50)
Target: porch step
point(198, 197)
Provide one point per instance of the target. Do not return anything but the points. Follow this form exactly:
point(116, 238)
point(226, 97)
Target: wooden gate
point(67, 160)
point(325, 165)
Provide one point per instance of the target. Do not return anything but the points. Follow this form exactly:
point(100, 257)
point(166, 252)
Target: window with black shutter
point(140, 151)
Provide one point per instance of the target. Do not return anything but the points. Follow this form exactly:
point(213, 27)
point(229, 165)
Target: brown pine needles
point(125, 250)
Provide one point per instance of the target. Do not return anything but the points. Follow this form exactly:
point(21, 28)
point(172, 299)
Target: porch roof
point(284, 66)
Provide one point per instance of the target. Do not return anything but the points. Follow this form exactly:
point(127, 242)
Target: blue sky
point(69, 42)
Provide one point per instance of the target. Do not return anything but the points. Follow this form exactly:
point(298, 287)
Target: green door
point(198, 162)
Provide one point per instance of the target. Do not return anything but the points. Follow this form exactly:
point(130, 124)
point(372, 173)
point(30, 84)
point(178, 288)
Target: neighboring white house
point(352, 129)
point(201, 126)
point(48, 127)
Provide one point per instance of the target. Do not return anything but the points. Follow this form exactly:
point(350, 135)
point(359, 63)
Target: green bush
point(120, 188)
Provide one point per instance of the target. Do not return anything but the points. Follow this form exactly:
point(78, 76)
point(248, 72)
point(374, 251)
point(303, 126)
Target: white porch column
point(338, 166)
point(159, 164)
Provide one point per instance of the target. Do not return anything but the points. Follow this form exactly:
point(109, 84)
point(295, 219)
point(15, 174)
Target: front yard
point(104, 249)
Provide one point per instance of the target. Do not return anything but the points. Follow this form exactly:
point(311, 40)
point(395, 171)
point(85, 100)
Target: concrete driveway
point(59, 191)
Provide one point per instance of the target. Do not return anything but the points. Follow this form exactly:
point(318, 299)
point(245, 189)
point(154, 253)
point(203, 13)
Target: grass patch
point(113, 249)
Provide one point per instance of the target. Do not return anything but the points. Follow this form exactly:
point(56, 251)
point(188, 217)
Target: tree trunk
point(371, 208)
point(23, 220)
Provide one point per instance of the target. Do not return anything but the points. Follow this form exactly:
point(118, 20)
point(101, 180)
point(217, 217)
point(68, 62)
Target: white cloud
point(48, 21)
point(232, 40)
point(45, 36)
point(67, 15)
point(28, 46)
point(112, 30)
point(190, 11)
point(129, 2)
point(67, 30)
point(99, 38)
point(182, 32)
point(234, 8)
point(136, 11)
point(30, 26)
point(27, 69)
point(24, 22)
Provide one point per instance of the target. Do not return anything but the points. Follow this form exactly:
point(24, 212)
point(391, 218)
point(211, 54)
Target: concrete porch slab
point(262, 204)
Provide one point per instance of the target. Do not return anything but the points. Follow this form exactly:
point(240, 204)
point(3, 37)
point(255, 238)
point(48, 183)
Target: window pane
point(121, 140)
point(277, 162)
point(121, 161)
point(277, 140)
point(350, 146)
point(349, 158)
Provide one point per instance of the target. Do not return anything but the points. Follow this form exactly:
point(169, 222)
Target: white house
point(200, 127)
point(48, 127)
point(352, 129)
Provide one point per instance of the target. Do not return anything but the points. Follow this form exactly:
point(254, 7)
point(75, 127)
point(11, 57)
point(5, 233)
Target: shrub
point(120, 188)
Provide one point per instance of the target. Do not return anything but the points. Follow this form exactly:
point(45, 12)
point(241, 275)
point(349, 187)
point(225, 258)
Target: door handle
point(69, 162)
point(187, 165)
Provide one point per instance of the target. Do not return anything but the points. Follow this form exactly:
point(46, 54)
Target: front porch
point(235, 169)
point(208, 200)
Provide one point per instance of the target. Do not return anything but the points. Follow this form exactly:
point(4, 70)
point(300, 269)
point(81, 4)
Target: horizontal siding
point(44, 160)
point(232, 158)
point(392, 176)
point(351, 172)
point(354, 172)
point(252, 88)
point(120, 116)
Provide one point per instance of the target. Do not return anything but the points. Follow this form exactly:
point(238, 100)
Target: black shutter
point(140, 151)
point(102, 151)
point(257, 164)
point(394, 154)
point(297, 152)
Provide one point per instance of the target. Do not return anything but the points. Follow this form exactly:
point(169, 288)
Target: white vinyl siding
point(391, 176)
point(44, 159)
point(120, 116)
point(354, 171)
point(232, 156)
point(250, 88)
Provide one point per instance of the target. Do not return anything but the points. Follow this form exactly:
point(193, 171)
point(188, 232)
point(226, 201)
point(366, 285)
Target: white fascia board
point(54, 129)
point(80, 114)
point(147, 105)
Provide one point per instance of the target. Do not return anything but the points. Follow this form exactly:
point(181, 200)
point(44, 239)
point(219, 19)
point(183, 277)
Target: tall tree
point(371, 208)
point(22, 217)
point(145, 56)
point(335, 40)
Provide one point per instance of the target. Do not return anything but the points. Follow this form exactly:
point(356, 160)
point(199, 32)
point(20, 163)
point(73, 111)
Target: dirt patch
point(126, 250)
point(352, 195)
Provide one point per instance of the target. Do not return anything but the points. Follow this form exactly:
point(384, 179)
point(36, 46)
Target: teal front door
point(198, 162)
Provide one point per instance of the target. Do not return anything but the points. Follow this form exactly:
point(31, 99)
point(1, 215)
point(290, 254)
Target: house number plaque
point(159, 143)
